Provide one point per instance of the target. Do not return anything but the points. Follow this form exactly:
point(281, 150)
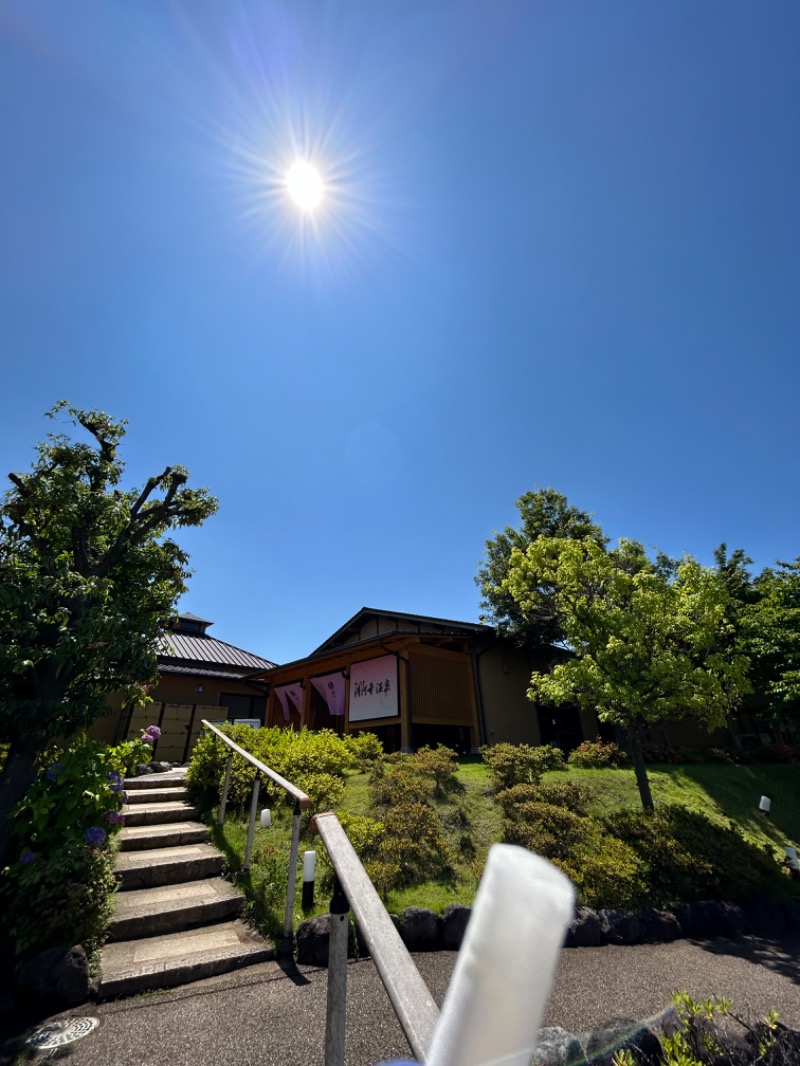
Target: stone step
point(158, 795)
point(148, 912)
point(150, 781)
point(166, 866)
point(142, 837)
point(158, 813)
point(165, 961)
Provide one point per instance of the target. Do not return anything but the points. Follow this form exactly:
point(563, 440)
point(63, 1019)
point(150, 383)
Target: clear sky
point(559, 244)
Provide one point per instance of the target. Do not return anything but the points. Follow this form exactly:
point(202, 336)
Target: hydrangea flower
point(148, 738)
point(95, 836)
point(114, 818)
point(27, 857)
point(52, 772)
point(154, 731)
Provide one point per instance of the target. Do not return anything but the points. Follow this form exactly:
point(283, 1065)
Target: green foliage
point(595, 755)
point(310, 760)
point(771, 634)
point(79, 789)
point(519, 764)
point(64, 897)
point(574, 795)
point(544, 513)
point(606, 872)
point(687, 857)
point(366, 749)
point(413, 848)
point(89, 580)
point(59, 887)
point(649, 641)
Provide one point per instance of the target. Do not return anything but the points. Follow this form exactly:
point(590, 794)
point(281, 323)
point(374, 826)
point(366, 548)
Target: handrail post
point(223, 803)
point(337, 977)
point(294, 851)
point(251, 829)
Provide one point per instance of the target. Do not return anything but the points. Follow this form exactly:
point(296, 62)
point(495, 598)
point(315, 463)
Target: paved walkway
point(265, 1016)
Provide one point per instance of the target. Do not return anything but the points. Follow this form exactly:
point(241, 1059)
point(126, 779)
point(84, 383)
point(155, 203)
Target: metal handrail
point(273, 775)
point(409, 995)
point(301, 802)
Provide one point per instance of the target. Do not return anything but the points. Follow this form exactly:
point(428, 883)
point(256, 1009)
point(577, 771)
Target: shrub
point(293, 755)
point(688, 857)
point(573, 795)
point(439, 764)
point(64, 897)
point(59, 888)
point(413, 848)
point(520, 764)
point(365, 748)
point(595, 755)
point(606, 872)
point(550, 831)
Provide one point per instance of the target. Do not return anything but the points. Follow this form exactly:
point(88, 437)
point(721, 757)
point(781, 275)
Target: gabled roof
point(405, 623)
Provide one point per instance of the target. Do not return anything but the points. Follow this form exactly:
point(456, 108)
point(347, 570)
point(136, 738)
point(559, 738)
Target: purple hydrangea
point(27, 857)
point(148, 738)
point(52, 772)
point(114, 818)
point(95, 836)
point(153, 731)
point(114, 775)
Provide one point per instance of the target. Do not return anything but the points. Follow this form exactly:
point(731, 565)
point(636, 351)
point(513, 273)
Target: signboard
point(373, 689)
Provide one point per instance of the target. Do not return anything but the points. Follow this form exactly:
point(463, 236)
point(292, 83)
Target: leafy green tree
point(88, 583)
point(772, 639)
point(645, 638)
point(544, 513)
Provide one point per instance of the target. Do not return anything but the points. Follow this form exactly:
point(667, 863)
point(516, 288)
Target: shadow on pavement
point(780, 954)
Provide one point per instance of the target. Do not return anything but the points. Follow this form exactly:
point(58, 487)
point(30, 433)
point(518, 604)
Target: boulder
point(620, 926)
point(59, 976)
point(454, 923)
point(313, 937)
point(765, 918)
point(601, 1045)
point(421, 929)
point(709, 918)
point(141, 769)
point(585, 930)
point(160, 767)
point(556, 1047)
point(659, 927)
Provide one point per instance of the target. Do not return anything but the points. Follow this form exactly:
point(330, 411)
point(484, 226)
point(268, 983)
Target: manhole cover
point(60, 1033)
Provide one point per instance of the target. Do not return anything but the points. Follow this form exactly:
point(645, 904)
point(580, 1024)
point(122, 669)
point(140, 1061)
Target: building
point(199, 677)
point(415, 679)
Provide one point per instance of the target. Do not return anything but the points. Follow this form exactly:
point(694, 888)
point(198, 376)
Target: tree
point(645, 639)
point(544, 513)
point(772, 639)
point(88, 583)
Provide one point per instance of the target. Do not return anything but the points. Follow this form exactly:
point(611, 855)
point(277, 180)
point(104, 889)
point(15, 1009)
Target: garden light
point(764, 805)
point(266, 818)
point(309, 869)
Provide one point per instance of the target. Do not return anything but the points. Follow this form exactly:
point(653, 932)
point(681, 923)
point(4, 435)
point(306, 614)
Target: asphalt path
point(269, 1016)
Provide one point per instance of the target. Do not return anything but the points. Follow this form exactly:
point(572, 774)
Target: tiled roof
point(181, 648)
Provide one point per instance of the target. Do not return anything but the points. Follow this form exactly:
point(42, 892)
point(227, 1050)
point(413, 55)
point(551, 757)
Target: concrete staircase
point(175, 918)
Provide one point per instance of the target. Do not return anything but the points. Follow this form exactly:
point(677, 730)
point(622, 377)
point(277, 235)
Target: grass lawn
point(473, 821)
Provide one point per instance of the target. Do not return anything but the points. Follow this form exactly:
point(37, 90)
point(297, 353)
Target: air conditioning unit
point(254, 723)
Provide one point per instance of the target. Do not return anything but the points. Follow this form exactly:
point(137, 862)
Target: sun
point(305, 185)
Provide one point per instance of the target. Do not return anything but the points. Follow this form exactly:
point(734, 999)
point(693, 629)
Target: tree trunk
point(18, 775)
point(639, 768)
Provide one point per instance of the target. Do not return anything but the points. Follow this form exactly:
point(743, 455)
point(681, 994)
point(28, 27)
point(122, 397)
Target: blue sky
point(559, 245)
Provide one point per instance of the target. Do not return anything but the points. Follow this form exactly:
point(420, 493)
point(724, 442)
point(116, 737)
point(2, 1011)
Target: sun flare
point(305, 185)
